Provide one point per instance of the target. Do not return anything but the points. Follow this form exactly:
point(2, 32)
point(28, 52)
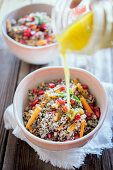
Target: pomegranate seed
point(36, 102)
point(72, 102)
point(41, 92)
point(97, 112)
point(88, 113)
point(48, 38)
point(35, 90)
point(92, 108)
point(61, 101)
point(32, 108)
point(30, 104)
point(22, 41)
point(49, 135)
point(33, 18)
point(31, 25)
point(77, 117)
point(44, 26)
point(23, 24)
point(25, 37)
point(62, 88)
point(51, 85)
point(65, 109)
point(59, 81)
point(84, 86)
point(25, 16)
point(53, 112)
point(76, 136)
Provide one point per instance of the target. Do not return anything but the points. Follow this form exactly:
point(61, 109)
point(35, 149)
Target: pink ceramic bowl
point(34, 55)
point(52, 73)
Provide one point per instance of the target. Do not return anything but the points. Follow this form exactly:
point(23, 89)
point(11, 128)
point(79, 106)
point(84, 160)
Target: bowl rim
point(14, 41)
point(54, 142)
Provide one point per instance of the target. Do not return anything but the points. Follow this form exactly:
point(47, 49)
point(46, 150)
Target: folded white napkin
point(73, 157)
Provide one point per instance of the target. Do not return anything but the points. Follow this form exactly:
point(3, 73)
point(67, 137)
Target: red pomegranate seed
point(36, 102)
point(61, 101)
point(22, 41)
point(88, 113)
point(59, 81)
point(85, 86)
point(41, 92)
point(33, 108)
point(48, 38)
point(23, 24)
point(53, 112)
point(97, 112)
point(65, 109)
point(51, 85)
point(92, 108)
point(72, 102)
point(25, 16)
point(35, 90)
point(33, 18)
point(49, 135)
point(25, 37)
point(77, 117)
point(30, 104)
point(31, 25)
point(76, 136)
point(62, 88)
point(44, 26)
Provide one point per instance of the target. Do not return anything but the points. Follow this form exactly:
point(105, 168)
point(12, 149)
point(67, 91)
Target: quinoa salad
point(46, 114)
point(32, 30)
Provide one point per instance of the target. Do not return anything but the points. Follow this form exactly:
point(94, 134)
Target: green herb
point(62, 94)
point(37, 17)
point(75, 97)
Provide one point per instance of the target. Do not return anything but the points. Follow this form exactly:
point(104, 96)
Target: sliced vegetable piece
point(82, 90)
point(60, 127)
point(82, 129)
point(71, 128)
point(86, 105)
point(33, 117)
point(75, 81)
point(55, 118)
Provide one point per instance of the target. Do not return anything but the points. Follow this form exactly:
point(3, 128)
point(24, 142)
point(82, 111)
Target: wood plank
point(9, 66)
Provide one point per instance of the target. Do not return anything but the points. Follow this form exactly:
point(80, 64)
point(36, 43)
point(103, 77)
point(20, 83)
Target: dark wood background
point(16, 154)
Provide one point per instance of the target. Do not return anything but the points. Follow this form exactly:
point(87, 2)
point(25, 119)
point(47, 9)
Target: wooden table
point(16, 154)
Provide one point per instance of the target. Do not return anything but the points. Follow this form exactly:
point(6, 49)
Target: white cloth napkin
point(73, 157)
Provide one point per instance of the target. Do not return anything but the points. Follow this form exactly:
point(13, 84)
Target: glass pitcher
point(102, 31)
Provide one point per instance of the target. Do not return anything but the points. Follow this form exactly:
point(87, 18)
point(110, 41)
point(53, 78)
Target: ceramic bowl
point(34, 55)
point(35, 78)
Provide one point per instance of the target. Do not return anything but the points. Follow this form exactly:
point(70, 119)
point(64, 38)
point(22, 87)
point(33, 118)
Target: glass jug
point(102, 31)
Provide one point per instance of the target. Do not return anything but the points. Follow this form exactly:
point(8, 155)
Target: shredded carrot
point(56, 116)
point(60, 127)
point(75, 81)
point(82, 129)
point(71, 128)
point(28, 114)
point(57, 91)
point(82, 90)
point(33, 117)
point(30, 128)
point(86, 105)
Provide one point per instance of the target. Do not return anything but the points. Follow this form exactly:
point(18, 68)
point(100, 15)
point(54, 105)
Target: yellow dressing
point(75, 37)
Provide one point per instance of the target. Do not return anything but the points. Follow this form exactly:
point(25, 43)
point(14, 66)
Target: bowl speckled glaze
point(52, 73)
point(33, 55)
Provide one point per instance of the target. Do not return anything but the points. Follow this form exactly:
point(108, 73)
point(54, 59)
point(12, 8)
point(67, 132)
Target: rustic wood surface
point(14, 153)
